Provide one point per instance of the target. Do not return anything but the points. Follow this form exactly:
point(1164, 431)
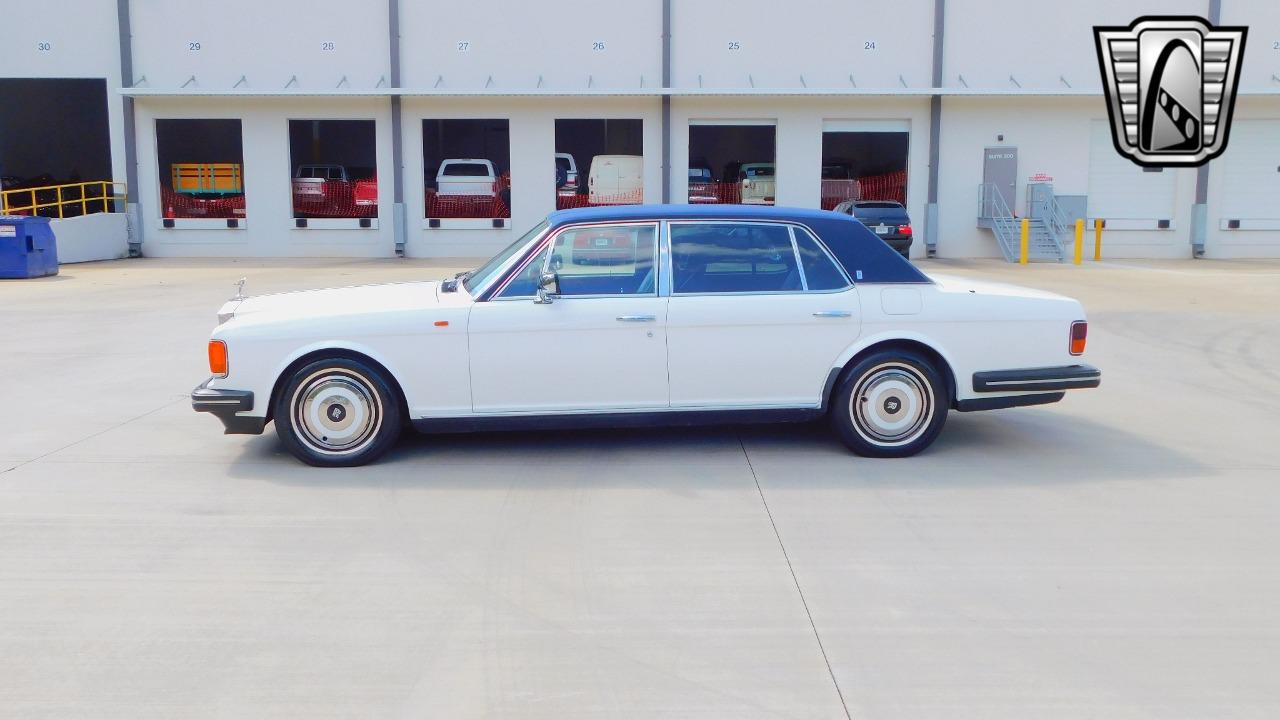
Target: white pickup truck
point(758, 183)
point(466, 176)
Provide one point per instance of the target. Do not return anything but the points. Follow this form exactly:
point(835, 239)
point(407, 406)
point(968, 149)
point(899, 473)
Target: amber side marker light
point(1079, 332)
point(218, 358)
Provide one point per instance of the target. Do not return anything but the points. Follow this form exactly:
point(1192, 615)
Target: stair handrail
point(1002, 218)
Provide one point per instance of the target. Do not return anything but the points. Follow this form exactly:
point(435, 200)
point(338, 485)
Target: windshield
point(483, 275)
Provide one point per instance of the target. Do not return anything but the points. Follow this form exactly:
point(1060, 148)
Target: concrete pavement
point(1112, 556)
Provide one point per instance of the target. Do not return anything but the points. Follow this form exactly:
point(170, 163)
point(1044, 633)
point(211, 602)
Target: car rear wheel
point(337, 412)
point(890, 404)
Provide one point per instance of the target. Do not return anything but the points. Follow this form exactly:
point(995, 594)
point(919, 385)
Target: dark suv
point(885, 218)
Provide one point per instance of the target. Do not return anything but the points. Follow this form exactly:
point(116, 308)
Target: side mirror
point(548, 288)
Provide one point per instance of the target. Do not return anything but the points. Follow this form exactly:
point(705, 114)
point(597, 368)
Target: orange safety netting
point(889, 186)
point(336, 198)
point(466, 206)
point(567, 201)
point(472, 206)
point(178, 205)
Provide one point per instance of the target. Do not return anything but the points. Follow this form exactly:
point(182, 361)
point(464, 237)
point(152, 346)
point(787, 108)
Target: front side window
point(733, 257)
point(478, 279)
point(606, 260)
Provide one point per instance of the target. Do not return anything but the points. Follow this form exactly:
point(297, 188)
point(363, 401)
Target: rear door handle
point(832, 314)
point(637, 318)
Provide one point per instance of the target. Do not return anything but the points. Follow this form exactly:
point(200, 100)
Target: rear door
point(757, 317)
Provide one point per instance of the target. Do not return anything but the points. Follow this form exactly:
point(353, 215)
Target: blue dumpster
point(28, 248)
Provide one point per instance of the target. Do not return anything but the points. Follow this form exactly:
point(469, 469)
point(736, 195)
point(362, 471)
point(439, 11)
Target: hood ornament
point(240, 289)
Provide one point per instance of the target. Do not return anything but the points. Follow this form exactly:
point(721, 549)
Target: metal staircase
point(1044, 233)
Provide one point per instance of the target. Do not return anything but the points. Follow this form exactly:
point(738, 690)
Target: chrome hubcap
point(891, 405)
point(336, 413)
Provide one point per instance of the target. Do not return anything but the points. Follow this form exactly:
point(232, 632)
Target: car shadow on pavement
point(1026, 446)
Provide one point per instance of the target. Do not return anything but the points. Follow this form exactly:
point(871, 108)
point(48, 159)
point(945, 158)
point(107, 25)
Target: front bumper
point(1062, 377)
point(225, 404)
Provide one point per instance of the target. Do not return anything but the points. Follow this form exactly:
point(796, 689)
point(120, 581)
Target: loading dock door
point(1119, 189)
point(999, 168)
point(1251, 172)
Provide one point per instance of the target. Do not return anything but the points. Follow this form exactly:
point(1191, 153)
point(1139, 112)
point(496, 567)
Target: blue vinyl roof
point(865, 257)
point(606, 213)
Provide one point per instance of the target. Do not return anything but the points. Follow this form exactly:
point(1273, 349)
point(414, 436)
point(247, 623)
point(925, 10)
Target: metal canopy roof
point(142, 92)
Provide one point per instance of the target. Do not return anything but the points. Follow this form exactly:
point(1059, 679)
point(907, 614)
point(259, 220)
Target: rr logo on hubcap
point(892, 405)
point(336, 413)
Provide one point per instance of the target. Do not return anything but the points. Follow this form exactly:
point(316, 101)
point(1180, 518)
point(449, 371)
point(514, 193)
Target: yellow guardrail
point(90, 197)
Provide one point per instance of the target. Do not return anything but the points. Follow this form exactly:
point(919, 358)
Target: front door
point(600, 345)
point(999, 179)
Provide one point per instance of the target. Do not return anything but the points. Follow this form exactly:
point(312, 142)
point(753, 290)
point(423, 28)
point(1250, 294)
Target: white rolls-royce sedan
point(646, 315)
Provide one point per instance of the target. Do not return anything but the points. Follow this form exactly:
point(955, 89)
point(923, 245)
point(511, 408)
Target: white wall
point(83, 41)
point(826, 42)
point(532, 132)
point(1254, 116)
point(1037, 41)
point(1261, 56)
point(268, 42)
point(102, 236)
point(1053, 137)
point(268, 225)
point(799, 142)
point(515, 43)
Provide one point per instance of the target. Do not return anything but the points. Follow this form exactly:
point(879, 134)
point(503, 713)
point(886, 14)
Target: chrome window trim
point(664, 259)
point(791, 227)
point(655, 224)
point(795, 250)
point(831, 258)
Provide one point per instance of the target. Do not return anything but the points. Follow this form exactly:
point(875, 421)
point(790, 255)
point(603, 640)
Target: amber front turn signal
point(218, 358)
point(1079, 332)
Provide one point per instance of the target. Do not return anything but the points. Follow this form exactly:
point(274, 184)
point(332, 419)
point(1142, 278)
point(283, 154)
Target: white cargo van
point(616, 180)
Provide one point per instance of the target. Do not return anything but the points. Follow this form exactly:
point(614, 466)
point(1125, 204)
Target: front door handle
point(832, 314)
point(637, 318)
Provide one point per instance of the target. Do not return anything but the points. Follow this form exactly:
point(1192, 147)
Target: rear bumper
point(225, 404)
point(1062, 377)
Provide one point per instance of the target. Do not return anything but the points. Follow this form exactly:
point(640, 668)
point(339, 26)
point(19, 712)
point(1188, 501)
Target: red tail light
point(1079, 331)
point(904, 229)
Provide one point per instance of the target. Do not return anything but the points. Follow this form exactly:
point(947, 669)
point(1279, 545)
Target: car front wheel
point(890, 404)
point(337, 412)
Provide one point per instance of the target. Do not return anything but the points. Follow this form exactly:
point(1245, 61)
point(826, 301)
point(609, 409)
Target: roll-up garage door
point(1251, 172)
point(1119, 189)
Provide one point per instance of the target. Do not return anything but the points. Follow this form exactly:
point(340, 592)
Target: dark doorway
point(475, 157)
point(334, 169)
point(864, 166)
point(619, 175)
point(732, 164)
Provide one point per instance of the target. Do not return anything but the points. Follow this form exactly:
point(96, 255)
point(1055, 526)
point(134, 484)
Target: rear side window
point(733, 257)
point(820, 271)
point(466, 170)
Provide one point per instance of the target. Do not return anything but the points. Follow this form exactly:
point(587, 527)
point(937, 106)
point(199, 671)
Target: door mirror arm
point(548, 288)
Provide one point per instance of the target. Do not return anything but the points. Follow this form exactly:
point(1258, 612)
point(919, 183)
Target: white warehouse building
point(330, 127)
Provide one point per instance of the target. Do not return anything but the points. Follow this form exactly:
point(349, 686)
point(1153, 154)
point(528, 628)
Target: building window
point(201, 166)
point(599, 162)
point(863, 164)
point(732, 162)
point(468, 168)
point(335, 173)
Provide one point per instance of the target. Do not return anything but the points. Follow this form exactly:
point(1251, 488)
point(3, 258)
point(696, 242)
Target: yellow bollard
point(1079, 240)
point(1097, 239)
point(1026, 241)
